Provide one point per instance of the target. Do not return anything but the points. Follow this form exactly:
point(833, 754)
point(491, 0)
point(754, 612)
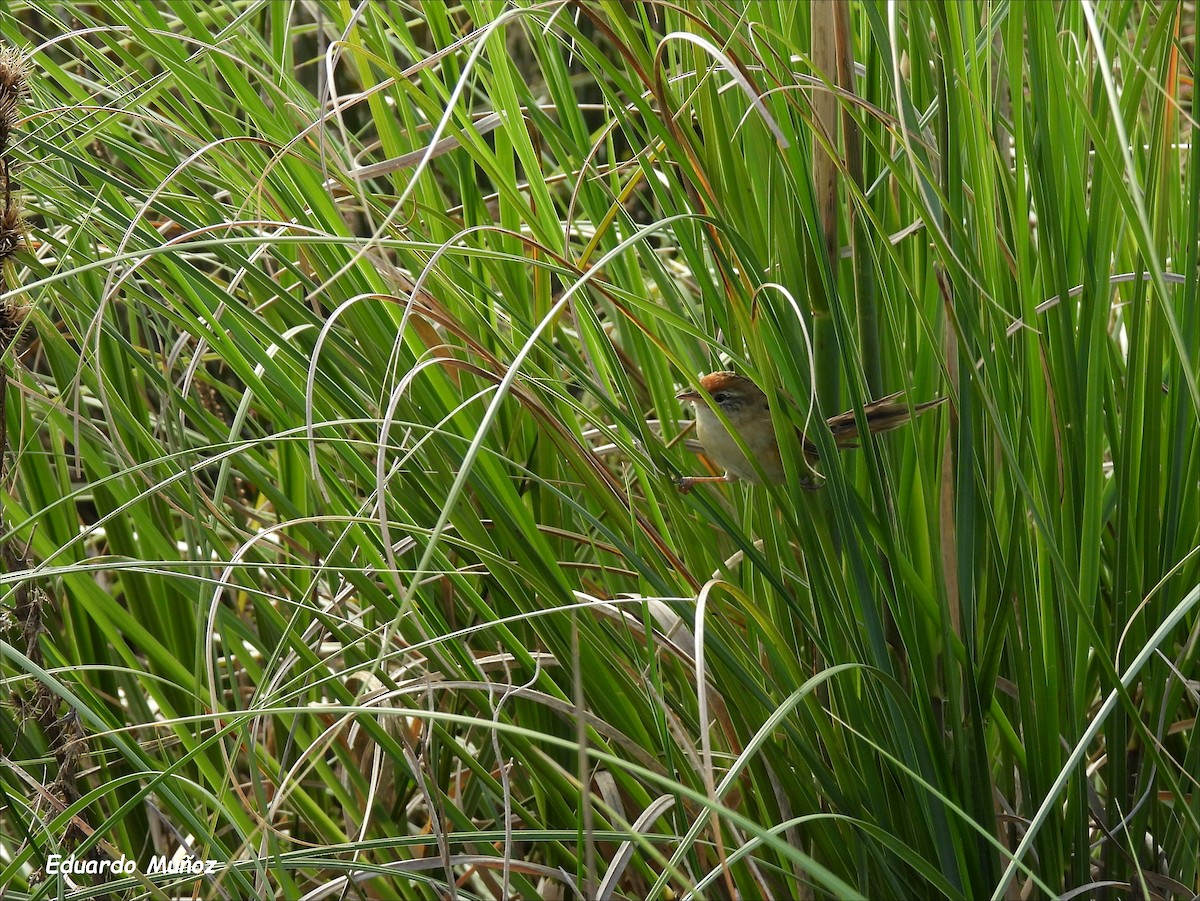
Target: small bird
point(746, 408)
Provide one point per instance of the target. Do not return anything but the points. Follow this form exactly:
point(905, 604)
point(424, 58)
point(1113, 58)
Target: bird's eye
point(720, 397)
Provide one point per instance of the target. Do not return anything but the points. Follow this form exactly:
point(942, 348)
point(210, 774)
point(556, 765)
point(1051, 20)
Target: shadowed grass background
point(342, 442)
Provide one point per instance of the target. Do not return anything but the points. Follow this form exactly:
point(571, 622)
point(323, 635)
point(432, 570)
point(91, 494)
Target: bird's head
point(737, 396)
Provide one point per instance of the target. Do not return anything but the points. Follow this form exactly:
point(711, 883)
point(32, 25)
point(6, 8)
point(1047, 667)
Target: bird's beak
point(688, 395)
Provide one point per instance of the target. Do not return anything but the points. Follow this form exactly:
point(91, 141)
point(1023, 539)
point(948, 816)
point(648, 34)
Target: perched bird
point(745, 406)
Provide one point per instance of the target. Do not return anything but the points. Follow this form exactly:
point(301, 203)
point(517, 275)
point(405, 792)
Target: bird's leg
point(808, 483)
point(684, 484)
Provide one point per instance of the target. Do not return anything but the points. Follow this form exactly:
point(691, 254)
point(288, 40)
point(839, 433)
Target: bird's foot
point(685, 484)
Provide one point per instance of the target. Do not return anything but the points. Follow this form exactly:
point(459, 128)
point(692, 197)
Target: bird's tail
point(882, 415)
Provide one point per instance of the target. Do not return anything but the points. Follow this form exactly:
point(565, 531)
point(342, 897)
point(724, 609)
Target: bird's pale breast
point(724, 451)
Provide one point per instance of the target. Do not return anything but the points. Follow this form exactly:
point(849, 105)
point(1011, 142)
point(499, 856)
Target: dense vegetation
point(340, 542)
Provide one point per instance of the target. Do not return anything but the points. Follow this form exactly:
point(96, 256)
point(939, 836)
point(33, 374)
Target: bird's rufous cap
point(714, 382)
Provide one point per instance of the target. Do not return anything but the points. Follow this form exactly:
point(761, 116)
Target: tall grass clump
point(341, 545)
